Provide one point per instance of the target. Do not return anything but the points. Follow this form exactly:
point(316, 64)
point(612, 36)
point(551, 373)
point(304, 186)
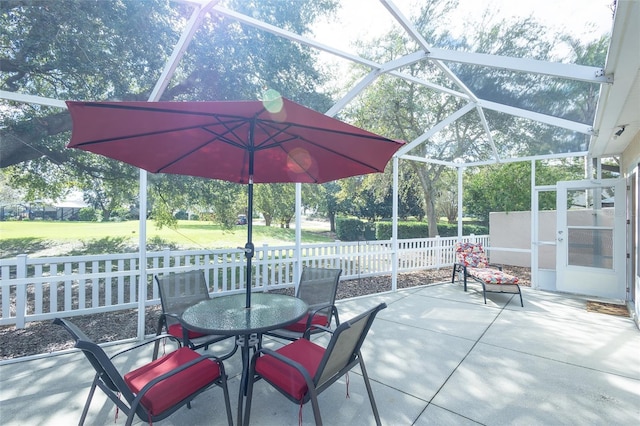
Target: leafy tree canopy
point(507, 187)
point(116, 50)
point(406, 110)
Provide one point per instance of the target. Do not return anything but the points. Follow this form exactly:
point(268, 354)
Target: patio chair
point(178, 291)
point(472, 263)
point(156, 390)
point(302, 369)
point(318, 287)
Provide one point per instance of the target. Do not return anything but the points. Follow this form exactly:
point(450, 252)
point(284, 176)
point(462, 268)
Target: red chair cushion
point(285, 377)
point(176, 330)
point(169, 392)
point(301, 325)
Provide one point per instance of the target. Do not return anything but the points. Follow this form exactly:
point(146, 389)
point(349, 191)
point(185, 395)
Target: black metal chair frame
point(326, 307)
point(340, 356)
point(112, 383)
point(172, 315)
point(463, 271)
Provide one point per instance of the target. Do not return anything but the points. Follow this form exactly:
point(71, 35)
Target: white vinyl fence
point(37, 289)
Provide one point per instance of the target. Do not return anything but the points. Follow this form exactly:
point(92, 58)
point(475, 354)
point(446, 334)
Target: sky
point(365, 18)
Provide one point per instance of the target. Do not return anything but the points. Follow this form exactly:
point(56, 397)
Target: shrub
point(451, 229)
point(408, 230)
point(448, 229)
point(102, 246)
point(88, 214)
point(181, 215)
point(120, 214)
point(369, 231)
point(349, 229)
point(158, 243)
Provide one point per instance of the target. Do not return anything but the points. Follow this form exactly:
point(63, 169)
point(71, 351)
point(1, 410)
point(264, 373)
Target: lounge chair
point(472, 263)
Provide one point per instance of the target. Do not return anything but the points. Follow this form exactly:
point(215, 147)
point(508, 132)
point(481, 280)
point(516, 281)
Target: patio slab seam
point(571, 317)
point(547, 358)
point(417, 292)
point(432, 404)
point(453, 371)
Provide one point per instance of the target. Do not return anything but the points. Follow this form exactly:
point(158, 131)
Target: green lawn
point(188, 234)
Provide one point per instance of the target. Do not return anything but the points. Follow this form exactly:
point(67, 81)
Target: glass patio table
point(228, 315)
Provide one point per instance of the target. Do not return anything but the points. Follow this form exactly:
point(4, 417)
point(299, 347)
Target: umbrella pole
point(249, 247)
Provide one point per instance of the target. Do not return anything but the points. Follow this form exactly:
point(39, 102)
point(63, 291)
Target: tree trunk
point(432, 217)
point(429, 197)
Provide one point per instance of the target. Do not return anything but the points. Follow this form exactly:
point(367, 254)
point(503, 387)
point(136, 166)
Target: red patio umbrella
point(247, 142)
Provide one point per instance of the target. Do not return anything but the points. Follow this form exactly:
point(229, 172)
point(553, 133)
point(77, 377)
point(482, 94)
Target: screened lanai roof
point(597, 134)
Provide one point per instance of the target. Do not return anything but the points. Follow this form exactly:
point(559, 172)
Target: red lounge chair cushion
point(301, 325)
point(169, 392)
point(285, 377)
point(176, 330)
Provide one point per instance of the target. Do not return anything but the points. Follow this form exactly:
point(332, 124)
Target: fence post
point(439, 261)
point(21, 290)
point(166, 260)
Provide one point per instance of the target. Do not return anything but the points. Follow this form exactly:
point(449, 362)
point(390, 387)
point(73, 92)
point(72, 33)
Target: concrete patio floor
point(436, 355)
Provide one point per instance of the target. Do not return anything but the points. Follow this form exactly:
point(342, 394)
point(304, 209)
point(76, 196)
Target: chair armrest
point(178, 319)
point(461, 266)
point(162, 320)
point(495, 265)
point(307, 332)
point(174, 316)
point(152, 340)
point(313, 310)
point(334, 312)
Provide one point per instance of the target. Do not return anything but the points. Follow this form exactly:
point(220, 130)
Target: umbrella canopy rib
point(292, 137)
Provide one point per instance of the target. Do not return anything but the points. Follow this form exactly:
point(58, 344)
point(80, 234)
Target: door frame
point(609, 283)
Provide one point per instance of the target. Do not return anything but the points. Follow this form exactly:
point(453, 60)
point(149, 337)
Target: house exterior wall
point(629, 161)
point(631, 156)
point(513, 230)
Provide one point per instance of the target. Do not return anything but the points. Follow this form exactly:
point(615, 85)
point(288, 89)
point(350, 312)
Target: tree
point(358, 197)
point(209, 198)
point(447, 204)
point(403, 109)
point(324, 200)
point(507, 187)
point(275, 201)
point(75, 49)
